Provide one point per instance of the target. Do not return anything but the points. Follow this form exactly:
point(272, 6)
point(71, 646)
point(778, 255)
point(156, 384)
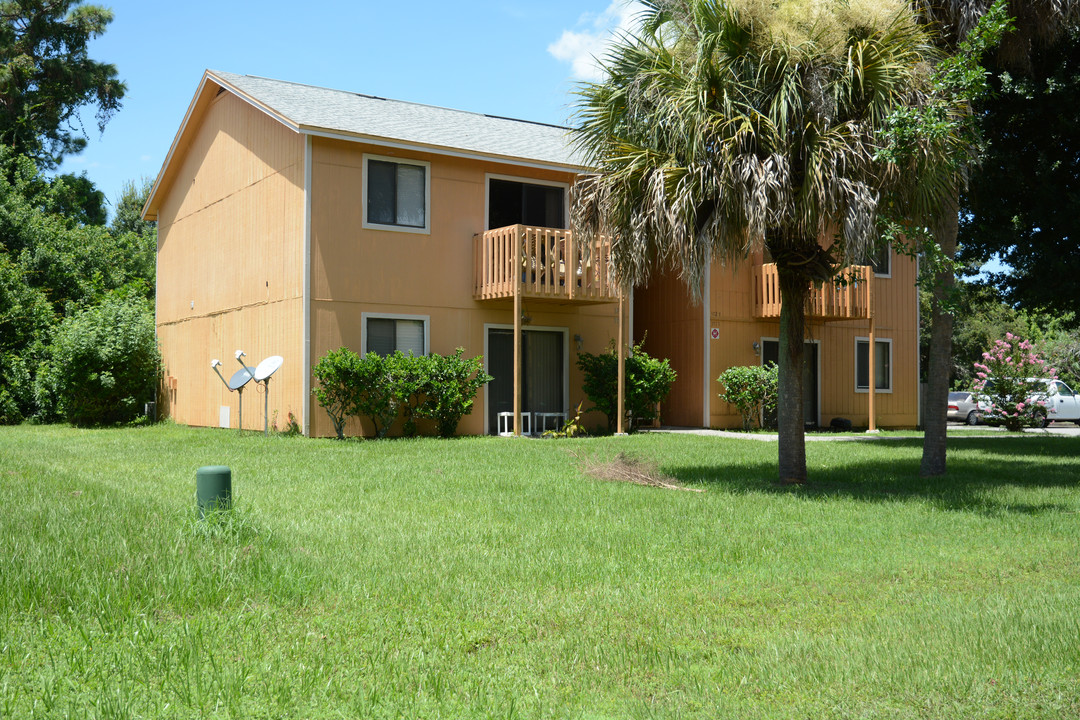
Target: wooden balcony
point(848, 300)
point(547, 264)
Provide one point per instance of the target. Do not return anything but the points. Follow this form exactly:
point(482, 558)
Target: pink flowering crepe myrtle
point(1012, 374)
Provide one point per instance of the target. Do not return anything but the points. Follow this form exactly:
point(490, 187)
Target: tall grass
point(486, 577)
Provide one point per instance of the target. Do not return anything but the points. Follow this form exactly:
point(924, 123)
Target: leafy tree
point(47, 76)
point(136, 238)
point(725, 126)
point(1032, 127)
point(128, 217)
point(955, 21)
point(103, 362)
point(648, 383)
point(69, 260)
point(25, 321)
point(751, 389)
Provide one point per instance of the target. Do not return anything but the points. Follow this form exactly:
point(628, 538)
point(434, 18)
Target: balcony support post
point(519, 238)
point(621, 404)
point(872, 390)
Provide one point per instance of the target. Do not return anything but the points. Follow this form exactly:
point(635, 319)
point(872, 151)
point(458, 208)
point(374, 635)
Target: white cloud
point(589, 39)
point(146, 158)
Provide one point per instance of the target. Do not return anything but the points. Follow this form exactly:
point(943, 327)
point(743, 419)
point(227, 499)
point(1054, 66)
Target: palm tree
point(1034, 22)
point(725, 126)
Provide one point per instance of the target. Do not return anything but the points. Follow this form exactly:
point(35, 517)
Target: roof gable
point(352, 116)
point(339, 113)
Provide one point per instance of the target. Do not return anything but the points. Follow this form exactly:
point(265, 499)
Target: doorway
point(543, 376)
point(770, 353)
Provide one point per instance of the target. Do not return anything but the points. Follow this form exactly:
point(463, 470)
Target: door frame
point(817, 367)
point(540, 328)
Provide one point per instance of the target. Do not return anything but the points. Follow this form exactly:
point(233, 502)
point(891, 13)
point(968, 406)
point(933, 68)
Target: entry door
point(542, 379)
point(770, 353)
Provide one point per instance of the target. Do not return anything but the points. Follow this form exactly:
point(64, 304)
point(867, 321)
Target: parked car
point(963, 407)
point(1061, 402)
point(1055, 401)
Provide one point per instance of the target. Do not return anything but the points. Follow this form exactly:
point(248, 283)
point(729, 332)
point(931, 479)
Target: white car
point(1061, 403)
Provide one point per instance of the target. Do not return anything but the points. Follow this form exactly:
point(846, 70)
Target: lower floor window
point(385, 335)
point(882, 363)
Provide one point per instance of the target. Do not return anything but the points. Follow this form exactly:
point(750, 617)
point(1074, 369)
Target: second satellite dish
point(239, 379)
point(267, 367)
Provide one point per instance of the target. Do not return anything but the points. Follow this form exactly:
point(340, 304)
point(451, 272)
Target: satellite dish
point(262, 374)
point(239, 379)
point(267, 367)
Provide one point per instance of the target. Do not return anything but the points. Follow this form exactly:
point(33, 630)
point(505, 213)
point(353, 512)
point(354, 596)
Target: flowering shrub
point(1012, 376)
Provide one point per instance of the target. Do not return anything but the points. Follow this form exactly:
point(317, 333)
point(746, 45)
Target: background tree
point(725, 126)
point(46, 76)
point(1024, 203)
point(1034, 22)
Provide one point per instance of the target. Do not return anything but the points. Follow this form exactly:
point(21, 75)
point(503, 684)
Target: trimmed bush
point(437, 387)
point(648, 382)
point(752, 389)
point(336, 375)
point(452, 382)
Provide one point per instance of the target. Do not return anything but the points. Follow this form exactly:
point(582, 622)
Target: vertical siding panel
point(231, 241)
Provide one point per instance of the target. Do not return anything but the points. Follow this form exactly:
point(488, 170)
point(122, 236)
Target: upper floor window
point(880, 258)
point(530, 203)
point(396, 194)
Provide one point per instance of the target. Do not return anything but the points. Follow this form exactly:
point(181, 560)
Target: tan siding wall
point(673, 328)
point(896, 303)
point(357, 270)
point(230, 258)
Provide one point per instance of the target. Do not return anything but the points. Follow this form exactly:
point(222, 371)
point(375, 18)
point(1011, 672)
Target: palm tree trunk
point(794, 289)
point(946, 228)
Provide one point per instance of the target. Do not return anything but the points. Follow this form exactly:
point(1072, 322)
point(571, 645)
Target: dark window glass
point(862, 364)
point(510, 203)
point(381, 336)
point(396, 194)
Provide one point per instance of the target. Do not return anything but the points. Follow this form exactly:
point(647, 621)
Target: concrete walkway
point(1059, 429)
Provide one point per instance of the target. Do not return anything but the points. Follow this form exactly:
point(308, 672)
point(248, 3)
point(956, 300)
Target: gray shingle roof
point(338, 111)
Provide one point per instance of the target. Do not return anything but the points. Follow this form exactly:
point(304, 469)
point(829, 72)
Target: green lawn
point(487, 577)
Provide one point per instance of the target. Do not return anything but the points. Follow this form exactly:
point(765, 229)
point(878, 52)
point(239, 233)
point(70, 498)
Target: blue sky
point(516, 58)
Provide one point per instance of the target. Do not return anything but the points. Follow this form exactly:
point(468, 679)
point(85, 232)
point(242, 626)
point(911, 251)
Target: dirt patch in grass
point(629, 469)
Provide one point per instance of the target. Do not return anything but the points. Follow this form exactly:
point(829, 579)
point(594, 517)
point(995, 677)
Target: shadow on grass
point(888, 471)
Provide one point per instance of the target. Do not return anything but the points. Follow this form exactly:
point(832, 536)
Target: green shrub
point(336, 390)
point(410, 377)
point(103, 362)
point(376, 397)
point(648, 382)
point(26, 318)
point(752, 389)
point(441, 388)
point(451, 384)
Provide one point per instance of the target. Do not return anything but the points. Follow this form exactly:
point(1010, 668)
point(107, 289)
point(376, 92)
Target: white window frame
point(426, 229)
point(365, 316)
point(873, 371)
point(488, 177)
point(888, 271)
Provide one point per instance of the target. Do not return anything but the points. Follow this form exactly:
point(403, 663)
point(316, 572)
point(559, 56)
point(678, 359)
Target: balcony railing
point(547, 263)
point(848, 300)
